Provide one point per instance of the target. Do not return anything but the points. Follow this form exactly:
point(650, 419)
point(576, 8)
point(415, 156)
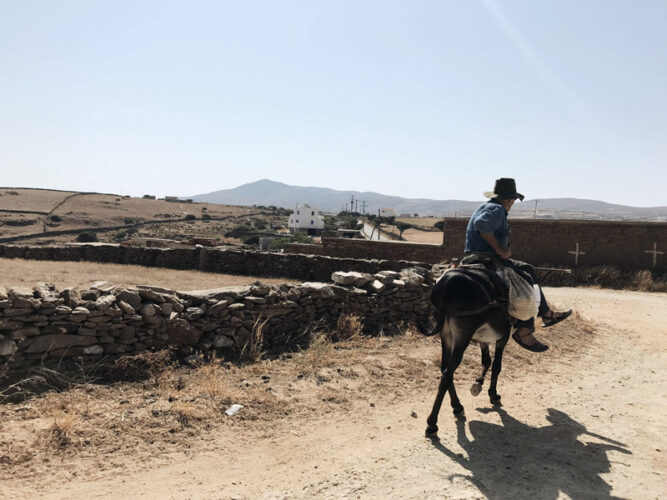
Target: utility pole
point(535, 211)
point(356, 205)
point(363, 207)
point(352, 203)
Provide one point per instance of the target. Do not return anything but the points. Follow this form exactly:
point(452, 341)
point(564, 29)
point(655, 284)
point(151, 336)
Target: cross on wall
point(576, 254)
point(655, 253)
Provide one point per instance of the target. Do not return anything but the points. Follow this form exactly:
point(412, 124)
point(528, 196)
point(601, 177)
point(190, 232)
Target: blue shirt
point(490, 217)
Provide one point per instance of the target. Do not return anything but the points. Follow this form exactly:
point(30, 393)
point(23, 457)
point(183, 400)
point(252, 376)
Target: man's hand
point(504, 253)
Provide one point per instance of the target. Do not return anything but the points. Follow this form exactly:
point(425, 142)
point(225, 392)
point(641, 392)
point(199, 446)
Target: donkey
point(470, 305)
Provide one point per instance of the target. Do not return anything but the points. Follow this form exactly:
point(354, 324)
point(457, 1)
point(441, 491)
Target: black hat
point(505, 189)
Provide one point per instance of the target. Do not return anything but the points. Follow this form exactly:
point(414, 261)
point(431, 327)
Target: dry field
point(90, 211)
point(25, 273)
point(587, 419)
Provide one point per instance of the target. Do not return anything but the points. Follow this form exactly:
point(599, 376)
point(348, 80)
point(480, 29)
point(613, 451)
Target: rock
point(151, 296)
point(385, 280)
point(236, 306)
point(343, 278)
point(103, 303)
point(218, 307)
point(259, 289)
point(44, 290)
point(22, 333)
point(377, 286)
point(70, 296)
point(233, 410)
point(166, 308)
point(413, 414)
point(45, 343)
point(103, 287)
point(92, 295)
point(125, 307)
point(147, 310)
point(192, 313)
point(7, 347)
point(132, 298)
point(255, 300)
point(63, 310)
point(221, 341)
point(3, 293)
point(179, 334)
point(93, 349)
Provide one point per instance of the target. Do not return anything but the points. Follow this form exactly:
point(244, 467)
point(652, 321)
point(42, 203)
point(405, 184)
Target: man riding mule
point(487, 243)
point(471, 301)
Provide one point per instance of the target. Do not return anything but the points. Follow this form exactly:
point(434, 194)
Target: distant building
point(387, 212)
point(171, 198)
point(306, 219)
point(148, 197)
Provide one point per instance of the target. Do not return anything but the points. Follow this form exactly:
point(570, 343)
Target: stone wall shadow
point(515, 460)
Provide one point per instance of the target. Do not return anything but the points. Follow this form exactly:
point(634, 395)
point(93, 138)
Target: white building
point(387, 212)
point(306, 219)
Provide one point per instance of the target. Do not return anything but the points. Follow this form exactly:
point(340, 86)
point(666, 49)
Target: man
point(487, 240)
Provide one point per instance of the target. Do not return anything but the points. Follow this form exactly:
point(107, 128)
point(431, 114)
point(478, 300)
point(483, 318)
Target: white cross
point(576, 254)
point(655, 253)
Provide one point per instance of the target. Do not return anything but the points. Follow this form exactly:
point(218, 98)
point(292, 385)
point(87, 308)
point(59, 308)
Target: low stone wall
point(227, 261)
point(51, 328)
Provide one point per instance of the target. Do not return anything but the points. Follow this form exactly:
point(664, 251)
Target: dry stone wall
point(47, 327)
point(228, 261)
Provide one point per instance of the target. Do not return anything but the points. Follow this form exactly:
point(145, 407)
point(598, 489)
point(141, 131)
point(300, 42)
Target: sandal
point(556, 317)
point(536, 347)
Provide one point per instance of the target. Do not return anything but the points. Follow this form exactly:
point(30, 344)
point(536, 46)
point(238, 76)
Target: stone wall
point(51, 328)
point(564, 243)
point(227, 261)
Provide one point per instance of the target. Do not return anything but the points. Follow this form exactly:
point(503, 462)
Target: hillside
point(267, 192)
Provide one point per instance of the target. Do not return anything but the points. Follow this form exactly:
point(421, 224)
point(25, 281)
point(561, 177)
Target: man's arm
point(504, 253)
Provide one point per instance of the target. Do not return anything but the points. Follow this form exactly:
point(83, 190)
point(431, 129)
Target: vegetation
point(296, 238)
point(56, 218)
point(87, 237)
point(190, 217)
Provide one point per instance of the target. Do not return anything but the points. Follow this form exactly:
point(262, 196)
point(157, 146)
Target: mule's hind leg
point(486, 364)
point(458, 346)
point(494, 397)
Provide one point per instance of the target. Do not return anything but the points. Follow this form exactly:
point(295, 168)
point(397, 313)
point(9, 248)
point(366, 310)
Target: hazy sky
point(430, 99)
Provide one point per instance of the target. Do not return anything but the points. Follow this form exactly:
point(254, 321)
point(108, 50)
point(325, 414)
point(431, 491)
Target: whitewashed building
point(387, 212)
point(306, 219)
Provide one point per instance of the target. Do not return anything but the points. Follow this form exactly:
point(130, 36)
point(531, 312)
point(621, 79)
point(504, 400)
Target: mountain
point(267, 192)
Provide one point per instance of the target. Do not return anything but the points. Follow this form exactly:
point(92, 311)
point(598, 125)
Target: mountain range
point(267, 192)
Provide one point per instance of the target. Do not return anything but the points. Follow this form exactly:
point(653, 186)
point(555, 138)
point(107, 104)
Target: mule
point(470, 305)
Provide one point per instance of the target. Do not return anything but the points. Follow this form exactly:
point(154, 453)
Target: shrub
point(190, 217)
point(206, 216)
point(56, 218)
point(87, 237)
point(251, 240)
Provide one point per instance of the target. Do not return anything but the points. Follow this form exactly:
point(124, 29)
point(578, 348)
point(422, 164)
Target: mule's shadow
point(515, 460)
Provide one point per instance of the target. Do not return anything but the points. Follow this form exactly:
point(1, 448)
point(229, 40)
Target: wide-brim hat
point(505, 189)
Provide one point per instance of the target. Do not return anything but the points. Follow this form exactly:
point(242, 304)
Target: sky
point(420, 99)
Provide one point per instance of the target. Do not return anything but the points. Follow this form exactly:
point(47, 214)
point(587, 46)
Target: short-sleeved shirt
point(490, 217)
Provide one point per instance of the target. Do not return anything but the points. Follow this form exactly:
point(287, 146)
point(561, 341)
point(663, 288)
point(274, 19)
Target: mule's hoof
point(475, 389)
point(495, 400)
point(431, 430)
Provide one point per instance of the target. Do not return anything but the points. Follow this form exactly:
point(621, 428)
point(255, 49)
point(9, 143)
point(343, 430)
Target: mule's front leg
point(494, 397)
point(446, 383)
point(486, 364)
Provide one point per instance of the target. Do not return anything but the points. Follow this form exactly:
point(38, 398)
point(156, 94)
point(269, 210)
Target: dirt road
point(590, 423)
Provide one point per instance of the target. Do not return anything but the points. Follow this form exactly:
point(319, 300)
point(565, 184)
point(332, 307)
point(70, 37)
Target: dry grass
point(98, 426)
point(348, 327)
point(25, 273)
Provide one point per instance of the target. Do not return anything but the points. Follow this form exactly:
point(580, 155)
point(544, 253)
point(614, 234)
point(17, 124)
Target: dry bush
point(188, 414)
point(348, 327)
point(252, 350)
point(142, 366)
point(60, 434)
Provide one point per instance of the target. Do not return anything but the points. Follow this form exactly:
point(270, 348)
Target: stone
point(218, 307)
point(166, 308)
point(103, 287)
point(8, 347)
point(221, 341)
point(377, 286)
point(148, 310)
point(63, 310)
point(3, 293)
point(103, 303)
point(255, 300)
point(193, 313)
point(236, 306)
point(343, 278)
point(70, 296)
point(22, 333)
point(93, 349)
point(132, 298)
point(87, 331)
point(45, 343)
point(179, 335)
point(91, 295)
point(260, 290)
point(125, 307)
point(151, 296)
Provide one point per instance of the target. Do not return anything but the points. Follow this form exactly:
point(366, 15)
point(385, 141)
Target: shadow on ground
point(515, 460)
